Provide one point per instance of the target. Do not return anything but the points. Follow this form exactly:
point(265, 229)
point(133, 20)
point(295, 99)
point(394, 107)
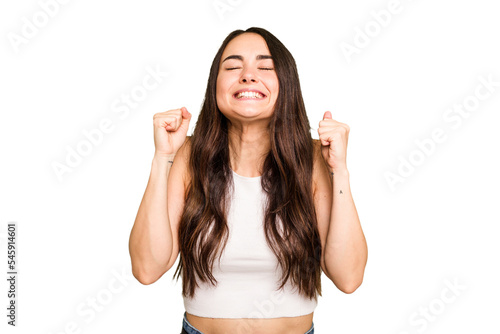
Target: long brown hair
point(286, 179)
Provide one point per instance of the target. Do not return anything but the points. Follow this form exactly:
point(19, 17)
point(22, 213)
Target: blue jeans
point(187, 328)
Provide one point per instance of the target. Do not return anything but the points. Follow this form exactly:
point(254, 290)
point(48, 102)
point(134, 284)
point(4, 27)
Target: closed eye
point(260, 68)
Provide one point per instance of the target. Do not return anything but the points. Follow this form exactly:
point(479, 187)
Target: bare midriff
point(287, 325)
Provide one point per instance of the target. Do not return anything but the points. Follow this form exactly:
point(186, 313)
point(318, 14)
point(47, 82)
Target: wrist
point(163, 156)
point(163, 160)
point(341, 171)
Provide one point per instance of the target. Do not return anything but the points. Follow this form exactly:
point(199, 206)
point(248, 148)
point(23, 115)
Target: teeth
point(253, 95)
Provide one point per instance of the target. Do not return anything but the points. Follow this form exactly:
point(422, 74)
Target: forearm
point(346, 250)
point(150, 243)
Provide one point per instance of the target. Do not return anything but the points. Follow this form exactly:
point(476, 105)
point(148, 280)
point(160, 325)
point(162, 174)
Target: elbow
point(351, 283)
point(345, 284)
point(348, 280)
point(144, 278)
point(350, 288)
point(147, 272)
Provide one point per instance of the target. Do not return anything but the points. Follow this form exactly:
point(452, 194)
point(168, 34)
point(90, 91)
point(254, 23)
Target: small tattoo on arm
point(171, 162)
point(341, 192)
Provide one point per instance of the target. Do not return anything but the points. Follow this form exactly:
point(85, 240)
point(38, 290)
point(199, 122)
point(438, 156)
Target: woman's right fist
point(170, 130)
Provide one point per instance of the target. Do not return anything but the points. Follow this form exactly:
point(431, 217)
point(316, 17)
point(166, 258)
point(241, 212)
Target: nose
point(247, 76)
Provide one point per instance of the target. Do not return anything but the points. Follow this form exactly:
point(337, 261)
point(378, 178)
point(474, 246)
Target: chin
point(250, 112)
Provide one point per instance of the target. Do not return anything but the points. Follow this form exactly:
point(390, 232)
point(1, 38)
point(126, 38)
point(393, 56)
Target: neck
point(248, 147)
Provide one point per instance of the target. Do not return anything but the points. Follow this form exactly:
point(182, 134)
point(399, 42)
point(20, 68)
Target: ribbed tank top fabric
point(248, 272)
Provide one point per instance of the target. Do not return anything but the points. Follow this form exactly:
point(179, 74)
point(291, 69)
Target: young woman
point(255, 207)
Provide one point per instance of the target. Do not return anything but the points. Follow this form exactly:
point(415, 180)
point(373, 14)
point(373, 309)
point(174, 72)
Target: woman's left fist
point(333, 136)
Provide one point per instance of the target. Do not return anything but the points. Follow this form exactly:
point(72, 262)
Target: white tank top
point(248, 273)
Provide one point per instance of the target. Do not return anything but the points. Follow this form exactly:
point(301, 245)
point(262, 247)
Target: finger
point(322, 136)
point(186, 117)
point(324, 139)
point(170, 123)
point(179, 116)
point(185, 113)
point(327, 115)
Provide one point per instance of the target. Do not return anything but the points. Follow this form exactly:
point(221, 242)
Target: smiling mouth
point(249, 95)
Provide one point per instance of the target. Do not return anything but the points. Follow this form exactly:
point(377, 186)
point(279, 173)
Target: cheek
point(222, 101)
point(275, 84)
point(222, 84)
point(276, 90)
point(219, 90)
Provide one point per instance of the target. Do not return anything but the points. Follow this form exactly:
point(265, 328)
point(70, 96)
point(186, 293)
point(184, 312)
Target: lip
point(248, 90)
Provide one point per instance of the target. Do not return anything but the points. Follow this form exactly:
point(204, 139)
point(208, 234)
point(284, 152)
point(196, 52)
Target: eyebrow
point(259, 57)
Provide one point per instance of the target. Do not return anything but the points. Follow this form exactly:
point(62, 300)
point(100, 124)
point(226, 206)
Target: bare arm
point(153, 243)
point(150, 243)
point(343, 242)
point(346, 250)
